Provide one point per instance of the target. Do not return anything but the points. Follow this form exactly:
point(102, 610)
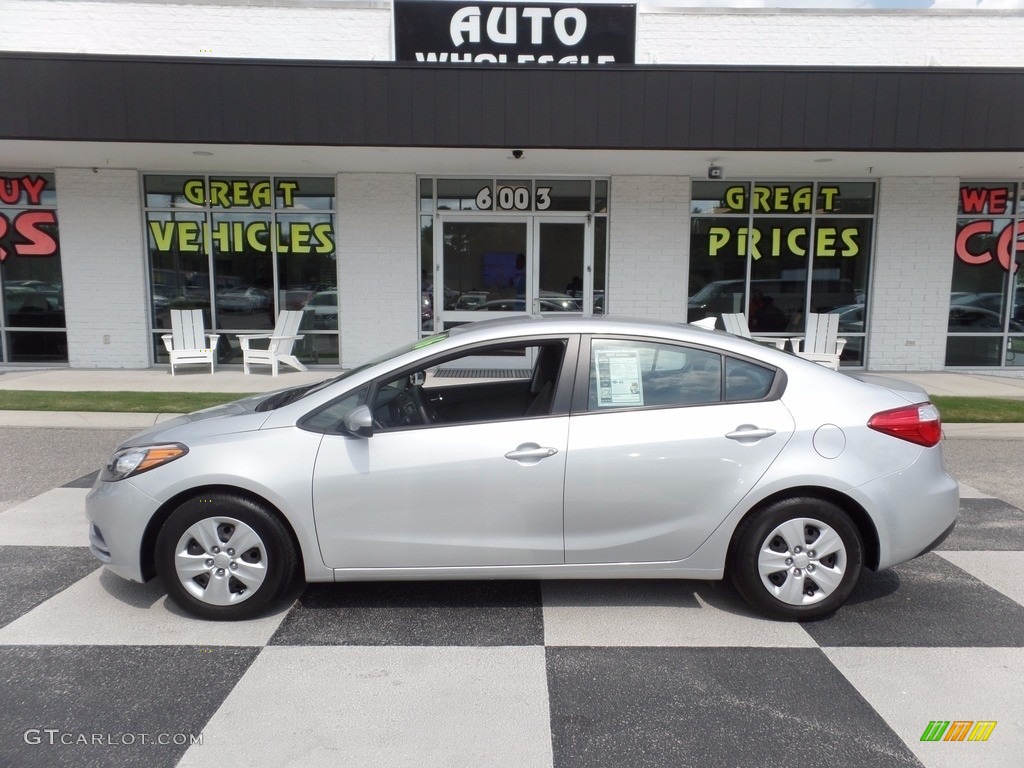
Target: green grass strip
point(979, 410)
point(123, 402)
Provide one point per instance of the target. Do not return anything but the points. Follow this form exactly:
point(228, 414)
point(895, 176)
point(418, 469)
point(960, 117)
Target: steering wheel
point(416, 392)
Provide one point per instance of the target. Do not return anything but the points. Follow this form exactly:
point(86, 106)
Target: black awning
point(235, 101)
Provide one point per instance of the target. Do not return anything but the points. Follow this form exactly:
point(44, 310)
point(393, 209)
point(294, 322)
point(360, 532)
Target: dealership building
point(398, 168)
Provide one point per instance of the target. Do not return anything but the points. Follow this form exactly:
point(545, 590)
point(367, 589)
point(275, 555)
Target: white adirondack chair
point(822, 343)
point(708, 323)
point(188, 343)
point(279, 344)
point(736, 324)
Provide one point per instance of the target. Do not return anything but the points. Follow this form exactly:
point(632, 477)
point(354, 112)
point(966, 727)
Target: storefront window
point(32, 324)
point(242, 249)
point(986, 307)
point(778, 250)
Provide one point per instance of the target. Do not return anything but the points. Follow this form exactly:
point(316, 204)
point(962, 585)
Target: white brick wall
point(362, 31)
point(913, 269)
point(103, 264)
point(833, 38)
point(248, 30)
point(649, 232)
point(378, 268)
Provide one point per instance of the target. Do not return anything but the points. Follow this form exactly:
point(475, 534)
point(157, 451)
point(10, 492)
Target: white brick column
point(912, 272)
point(649, 252)
point(378, 267)
point(103, 261)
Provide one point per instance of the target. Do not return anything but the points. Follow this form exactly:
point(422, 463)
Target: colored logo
point(958, 730)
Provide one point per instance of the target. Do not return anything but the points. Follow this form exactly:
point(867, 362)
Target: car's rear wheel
point(797, 559)
point(224, 556)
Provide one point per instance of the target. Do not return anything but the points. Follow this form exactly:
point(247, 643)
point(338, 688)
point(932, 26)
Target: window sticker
point(618, 378)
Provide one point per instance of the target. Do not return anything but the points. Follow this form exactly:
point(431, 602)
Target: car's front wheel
point(225, 556)
point(797, 559)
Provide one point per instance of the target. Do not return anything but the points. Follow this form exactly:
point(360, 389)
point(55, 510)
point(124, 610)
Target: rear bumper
point(938, 541)
point(914, 509)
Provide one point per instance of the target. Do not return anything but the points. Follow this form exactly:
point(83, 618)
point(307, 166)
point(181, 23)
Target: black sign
point(514, 34)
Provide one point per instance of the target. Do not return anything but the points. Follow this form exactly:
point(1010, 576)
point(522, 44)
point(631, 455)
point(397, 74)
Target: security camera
point(517, 154)
point(714, 171)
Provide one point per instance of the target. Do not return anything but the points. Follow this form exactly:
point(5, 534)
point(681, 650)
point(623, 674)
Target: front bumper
point(118, 514)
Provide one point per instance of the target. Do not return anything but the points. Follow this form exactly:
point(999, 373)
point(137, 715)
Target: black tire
point(209, 578)
point(800, 583)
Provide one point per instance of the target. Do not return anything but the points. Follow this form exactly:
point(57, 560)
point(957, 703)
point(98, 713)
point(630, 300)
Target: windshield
point(297, 393)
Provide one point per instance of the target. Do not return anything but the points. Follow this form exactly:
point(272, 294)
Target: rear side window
point(639, 374)
point(746, 381)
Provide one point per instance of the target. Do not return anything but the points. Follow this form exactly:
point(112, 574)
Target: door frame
point(533, 223)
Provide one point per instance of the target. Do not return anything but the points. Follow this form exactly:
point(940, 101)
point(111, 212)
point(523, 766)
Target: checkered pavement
point(97, 671)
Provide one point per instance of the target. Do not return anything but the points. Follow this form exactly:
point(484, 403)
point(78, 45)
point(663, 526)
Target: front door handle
point(530, 453)
point(748, 433)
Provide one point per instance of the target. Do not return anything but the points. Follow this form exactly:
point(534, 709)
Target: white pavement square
point(910, 687)
point(390, 707)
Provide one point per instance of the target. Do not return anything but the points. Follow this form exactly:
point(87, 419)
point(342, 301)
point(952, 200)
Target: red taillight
point(917, 423)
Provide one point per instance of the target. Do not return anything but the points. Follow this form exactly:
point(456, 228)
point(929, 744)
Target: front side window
point(507, 382)
point(243, 249)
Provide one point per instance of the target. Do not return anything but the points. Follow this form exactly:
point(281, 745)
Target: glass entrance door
point(490, 267)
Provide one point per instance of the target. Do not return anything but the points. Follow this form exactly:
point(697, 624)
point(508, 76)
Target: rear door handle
point(530, 453)
point(748, 433)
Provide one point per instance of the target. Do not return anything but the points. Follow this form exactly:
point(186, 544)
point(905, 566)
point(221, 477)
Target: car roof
point(536, 325)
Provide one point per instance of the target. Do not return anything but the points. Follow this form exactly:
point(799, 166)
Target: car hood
point(909, 391)
point(237, 416)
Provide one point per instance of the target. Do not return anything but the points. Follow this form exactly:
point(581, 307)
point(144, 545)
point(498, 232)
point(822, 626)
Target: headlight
point(133, 461)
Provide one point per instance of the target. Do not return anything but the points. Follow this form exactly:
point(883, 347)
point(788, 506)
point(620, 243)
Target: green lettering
point(324, 234)
point(851, 237)
point(163, 234)
point(718, 238)
point(736, 199)
point(287, 190)
point(194, 192)
point(829, 194)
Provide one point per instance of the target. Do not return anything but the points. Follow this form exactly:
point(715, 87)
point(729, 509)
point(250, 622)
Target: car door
point(471, 487)
point(665, 440)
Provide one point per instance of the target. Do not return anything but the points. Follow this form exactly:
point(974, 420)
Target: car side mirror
point(359, 422)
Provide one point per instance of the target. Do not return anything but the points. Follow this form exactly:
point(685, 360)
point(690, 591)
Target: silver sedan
point(537, 448)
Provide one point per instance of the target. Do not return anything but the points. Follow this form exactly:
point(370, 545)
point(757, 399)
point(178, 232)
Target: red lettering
point(40, 243)
point(983, 227)
point(10, 190)
point(34, 189)
point(3, 231)
point(975, 200)
point(997, 201)
point(1010, 243)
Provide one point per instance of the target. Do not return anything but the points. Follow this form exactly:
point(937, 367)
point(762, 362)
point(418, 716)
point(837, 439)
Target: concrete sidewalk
point(234, 381)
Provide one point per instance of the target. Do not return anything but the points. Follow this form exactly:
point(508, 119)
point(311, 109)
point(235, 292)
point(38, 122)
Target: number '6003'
point(512, 199)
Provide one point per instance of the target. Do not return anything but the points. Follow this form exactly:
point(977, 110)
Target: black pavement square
point(707, 707)
point(927, 602)
point(110, 706)
point(987, 525)
point(476, 613)
point(32, 575)
point(85, 481)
